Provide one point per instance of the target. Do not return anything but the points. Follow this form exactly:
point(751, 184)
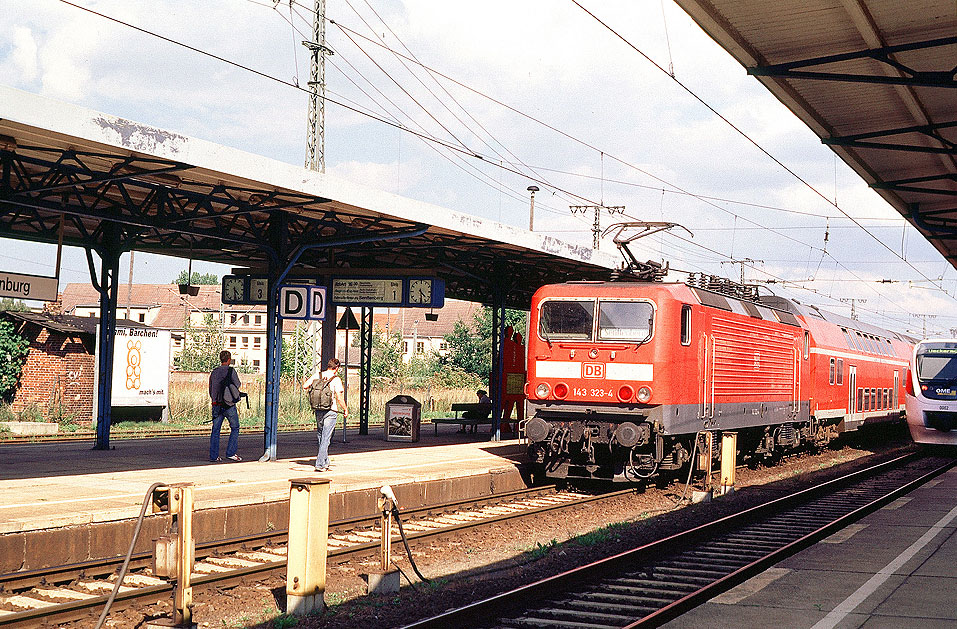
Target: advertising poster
point(141, 367)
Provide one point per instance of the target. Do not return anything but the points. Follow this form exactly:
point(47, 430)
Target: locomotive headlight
point(593, 353)
point(644, 394)
point(542, 390)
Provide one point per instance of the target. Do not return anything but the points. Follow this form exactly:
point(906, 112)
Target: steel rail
point(686, 551)
point(63, 612)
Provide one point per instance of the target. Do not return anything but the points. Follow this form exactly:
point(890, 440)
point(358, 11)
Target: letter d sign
point(294, 302)
point(317, 302)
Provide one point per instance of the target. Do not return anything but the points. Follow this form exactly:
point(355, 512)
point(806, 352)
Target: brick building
point(58, 375)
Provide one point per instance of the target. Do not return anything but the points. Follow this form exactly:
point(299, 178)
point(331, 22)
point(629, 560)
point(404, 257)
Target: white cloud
point(24, 54)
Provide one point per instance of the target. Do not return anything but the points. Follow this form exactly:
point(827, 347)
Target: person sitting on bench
point(482, 413)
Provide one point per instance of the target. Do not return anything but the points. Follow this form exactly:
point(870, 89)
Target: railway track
point(65, 593)
point(657, 582)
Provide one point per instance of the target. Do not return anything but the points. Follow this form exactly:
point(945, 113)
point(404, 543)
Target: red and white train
point(623, 377)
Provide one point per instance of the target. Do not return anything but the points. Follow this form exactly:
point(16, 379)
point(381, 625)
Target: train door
point(796, 388)
point(894, 399)
point(851, 392)
point(707, 381)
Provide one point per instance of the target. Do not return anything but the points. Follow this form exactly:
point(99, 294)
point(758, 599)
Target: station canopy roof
point(122, 183)
point(874, 79)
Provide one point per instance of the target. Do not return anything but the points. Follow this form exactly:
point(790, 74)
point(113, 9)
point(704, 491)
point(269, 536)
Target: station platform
point(894, 568)
point(68, 487)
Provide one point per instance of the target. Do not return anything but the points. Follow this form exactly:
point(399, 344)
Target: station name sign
point(20, 286)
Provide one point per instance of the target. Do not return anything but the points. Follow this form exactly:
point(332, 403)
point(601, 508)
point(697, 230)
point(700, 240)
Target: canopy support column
point(365, 360)
point(107, 287)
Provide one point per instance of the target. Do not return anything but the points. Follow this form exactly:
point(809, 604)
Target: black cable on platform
point(408, 551)
point(129, 554)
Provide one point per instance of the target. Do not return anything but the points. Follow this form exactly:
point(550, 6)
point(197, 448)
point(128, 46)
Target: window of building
point(232, 319)
point(142, 317)
point(840, 371)
point(831, 374)
point(258, 319)
point(245, 341)
point(443, 346)
point(420, 347)
point(232, 341)
point(257, 341)
point(256, 365)
point(246, 319)
point(405, 347)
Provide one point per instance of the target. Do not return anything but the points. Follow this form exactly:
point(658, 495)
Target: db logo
point(593, 370)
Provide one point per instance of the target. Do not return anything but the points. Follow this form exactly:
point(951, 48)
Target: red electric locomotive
point(623, 377)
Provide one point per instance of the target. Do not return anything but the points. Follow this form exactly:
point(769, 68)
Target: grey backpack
point(320, 395)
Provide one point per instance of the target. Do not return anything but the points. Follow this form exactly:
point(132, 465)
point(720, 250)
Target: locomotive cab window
point(625, 321)
point(567, 320)
point(686, 325)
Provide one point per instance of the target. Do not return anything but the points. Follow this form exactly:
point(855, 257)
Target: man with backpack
point(224, 392)
point(326, 399)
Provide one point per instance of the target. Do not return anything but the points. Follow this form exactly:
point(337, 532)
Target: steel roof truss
point(926, 78)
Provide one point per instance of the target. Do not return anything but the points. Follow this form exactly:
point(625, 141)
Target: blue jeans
point(220, 413)
point(325, 424)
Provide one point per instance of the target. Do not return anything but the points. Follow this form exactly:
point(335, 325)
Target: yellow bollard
point(729, 454)
point(308, 537)
point(174, 554)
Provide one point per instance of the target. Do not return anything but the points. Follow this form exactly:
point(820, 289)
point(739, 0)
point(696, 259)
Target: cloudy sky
point(539, 89)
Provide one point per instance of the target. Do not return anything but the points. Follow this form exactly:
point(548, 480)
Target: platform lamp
point(531, 209)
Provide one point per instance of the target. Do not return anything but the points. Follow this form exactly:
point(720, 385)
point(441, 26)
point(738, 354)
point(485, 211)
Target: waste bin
point(403, 414)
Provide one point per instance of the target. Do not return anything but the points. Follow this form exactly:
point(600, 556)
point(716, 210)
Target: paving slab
point(896, 569)
point(49, 485)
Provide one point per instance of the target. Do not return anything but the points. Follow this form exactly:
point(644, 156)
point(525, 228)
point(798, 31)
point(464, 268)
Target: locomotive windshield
point(625, 321)
point(567, 320)
point(937, 363)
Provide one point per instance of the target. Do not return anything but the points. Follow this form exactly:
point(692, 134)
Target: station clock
point(234, 289)
point(420, 291)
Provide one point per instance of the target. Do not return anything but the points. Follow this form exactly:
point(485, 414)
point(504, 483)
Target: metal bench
point(473, 407)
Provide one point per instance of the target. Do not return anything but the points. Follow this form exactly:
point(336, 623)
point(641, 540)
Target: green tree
point(197, 279)
point(13, 352)
point(387, 365)
point(470, 347)
point(202, 346)
point(467, 351)
point(12, 305)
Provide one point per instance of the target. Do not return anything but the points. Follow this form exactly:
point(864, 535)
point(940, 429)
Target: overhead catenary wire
point(431, 139)
point(751, 140)
point(700, 197)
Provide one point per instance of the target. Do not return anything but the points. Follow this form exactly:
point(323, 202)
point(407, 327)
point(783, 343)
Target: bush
point(13, 354)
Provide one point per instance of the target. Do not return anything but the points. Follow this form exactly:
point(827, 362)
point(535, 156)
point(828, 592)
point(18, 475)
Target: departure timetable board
point(367, 291)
